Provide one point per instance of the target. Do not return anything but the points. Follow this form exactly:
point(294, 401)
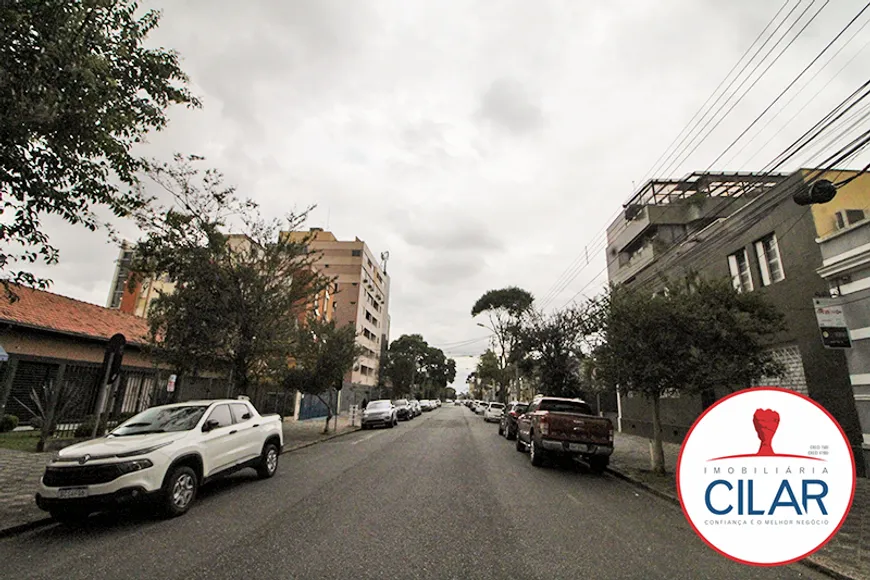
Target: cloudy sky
point(484, 143)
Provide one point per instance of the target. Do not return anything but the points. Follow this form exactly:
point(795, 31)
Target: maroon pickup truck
point(553, 426)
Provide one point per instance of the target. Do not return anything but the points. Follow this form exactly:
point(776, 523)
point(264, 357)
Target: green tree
point(405, 363)
point(78, 89)
point(235, 300)
point(506, 309)
point(553, 348)
point(682, 340)
point(415, 368)
point(437, 371)
point(488, 372)
point(324, 354)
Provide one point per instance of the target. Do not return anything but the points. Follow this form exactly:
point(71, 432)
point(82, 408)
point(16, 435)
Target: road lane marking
point(572, 498)
point(364, 439)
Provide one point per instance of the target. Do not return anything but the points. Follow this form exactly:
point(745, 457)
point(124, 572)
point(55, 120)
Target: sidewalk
point(20, 470)
point(299, 434)
point(847, 555)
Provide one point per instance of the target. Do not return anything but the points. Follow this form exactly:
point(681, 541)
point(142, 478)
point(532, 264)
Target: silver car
point(381, 412)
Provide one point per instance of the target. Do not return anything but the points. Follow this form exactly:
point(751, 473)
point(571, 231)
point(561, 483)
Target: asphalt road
point(440, 497)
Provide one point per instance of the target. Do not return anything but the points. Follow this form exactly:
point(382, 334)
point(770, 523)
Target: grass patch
point(19, 440)
point(27, 440)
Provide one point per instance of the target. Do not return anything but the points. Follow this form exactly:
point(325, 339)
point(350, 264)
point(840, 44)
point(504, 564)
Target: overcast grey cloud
point(507, 103)
point(483, 143)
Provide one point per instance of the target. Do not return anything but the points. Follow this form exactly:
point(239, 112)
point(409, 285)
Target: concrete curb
point(26, 527)
point(21, 528)
point(808, 562)
point(287, 449)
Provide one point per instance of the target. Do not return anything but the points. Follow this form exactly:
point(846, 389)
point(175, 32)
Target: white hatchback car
point(493, 412)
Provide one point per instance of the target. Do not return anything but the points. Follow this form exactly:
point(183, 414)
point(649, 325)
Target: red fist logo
point(766, 422)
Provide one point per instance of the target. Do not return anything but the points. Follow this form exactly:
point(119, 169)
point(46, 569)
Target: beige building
point(362, 295)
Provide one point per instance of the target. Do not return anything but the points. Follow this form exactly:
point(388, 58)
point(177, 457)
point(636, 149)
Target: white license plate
point(578, 447)
point(72, 492)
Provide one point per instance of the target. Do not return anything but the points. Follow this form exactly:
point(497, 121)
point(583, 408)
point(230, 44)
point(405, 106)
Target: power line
point(678, 158)
point(802, 142)
point(671, 149)
point(811, 99)
point(794, 80)
point(571, 273)
point(682, 158)
point(565, 278)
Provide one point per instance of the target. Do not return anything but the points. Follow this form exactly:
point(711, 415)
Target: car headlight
point(135, 465)
point(143, 451)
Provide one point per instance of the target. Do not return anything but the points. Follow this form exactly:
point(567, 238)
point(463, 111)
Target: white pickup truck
point(161, 455)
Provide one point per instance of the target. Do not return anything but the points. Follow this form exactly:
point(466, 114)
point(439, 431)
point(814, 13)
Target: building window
point(741, 275)
point(356, 253)
point(769, 260)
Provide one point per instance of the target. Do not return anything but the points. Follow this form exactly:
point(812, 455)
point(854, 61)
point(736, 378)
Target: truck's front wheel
point(179, 491)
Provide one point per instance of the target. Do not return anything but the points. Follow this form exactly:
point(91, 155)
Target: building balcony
point(845, 250)
point(621, 270)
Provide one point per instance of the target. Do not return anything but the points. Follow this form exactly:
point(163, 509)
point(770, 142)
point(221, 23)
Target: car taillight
point(544, 423)
point(610, 433)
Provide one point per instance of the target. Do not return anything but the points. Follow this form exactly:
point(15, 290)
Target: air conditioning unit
point(845, 218)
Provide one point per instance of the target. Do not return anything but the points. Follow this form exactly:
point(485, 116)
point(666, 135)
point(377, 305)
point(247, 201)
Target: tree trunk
point(328, 413)
point(49, 422)
point(657, 451)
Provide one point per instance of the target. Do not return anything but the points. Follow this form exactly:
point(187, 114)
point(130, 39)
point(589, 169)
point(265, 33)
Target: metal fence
point(60, 398)
point(64, 396)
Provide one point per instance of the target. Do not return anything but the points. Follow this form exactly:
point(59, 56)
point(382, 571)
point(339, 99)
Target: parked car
point(479, 407)
point(403, 410)
point(508, 424)
point(493, 412)
point(415, 407)
point(554, 426)
point(437, 403)
point(448, 401)
point(426, 405)
point(458, 402)
point(381, 412)
point(162, 455)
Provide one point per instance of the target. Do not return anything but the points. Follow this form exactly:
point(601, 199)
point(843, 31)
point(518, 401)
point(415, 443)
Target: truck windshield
point(565, 407)
point(162, 419)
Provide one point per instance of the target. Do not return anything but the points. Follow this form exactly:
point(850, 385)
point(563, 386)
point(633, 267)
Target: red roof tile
point(53, 312)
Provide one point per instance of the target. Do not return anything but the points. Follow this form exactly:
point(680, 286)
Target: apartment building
point(744, 227)
point(843, 235)
point(361, 297)
point(136, 298)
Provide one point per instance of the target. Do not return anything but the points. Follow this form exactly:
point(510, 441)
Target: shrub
point(86, 427)
point(37, 423)
point(8, 423)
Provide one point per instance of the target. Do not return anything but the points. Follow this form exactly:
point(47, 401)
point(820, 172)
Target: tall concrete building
point(362, 298)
